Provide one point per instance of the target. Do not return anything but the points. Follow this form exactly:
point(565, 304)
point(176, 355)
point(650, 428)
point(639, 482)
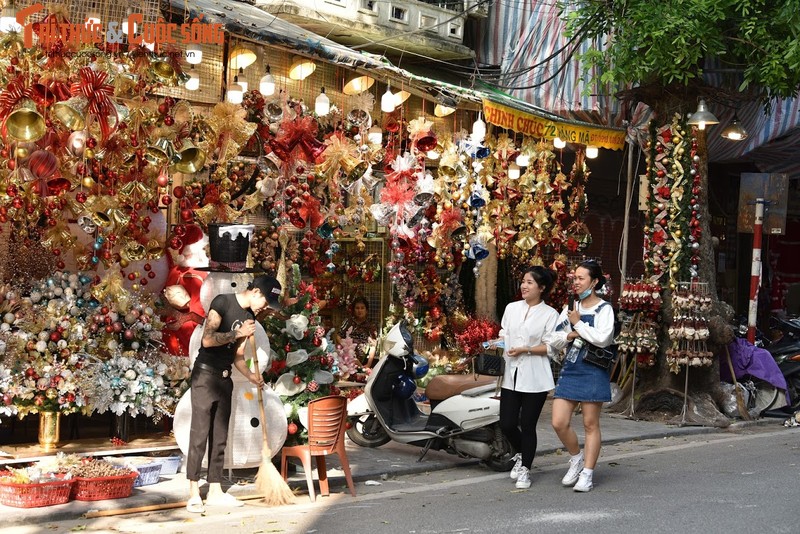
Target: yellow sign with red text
point(529, 124)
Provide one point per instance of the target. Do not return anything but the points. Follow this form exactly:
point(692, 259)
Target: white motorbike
point(464, 416)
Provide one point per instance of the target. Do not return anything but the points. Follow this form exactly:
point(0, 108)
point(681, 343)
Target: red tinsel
point(475, 332)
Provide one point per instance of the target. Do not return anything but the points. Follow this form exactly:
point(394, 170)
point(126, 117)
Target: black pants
point(521, 410)
point(211, 413)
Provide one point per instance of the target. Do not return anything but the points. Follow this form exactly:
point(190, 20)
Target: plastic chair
point(326, 427)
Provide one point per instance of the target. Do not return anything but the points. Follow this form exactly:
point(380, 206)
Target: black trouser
point(211, 413)
point(521, 410)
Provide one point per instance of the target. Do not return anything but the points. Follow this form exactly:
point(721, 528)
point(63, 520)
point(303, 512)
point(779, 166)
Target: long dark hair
point(596, 272)
point(542, 276)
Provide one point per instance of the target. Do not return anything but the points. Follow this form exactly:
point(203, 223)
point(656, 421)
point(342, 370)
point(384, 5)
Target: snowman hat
point(229, 245)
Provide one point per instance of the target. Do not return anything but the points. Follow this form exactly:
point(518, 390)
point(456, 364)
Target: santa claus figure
point(182, 291)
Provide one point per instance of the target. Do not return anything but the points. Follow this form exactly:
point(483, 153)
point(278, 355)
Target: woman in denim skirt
point(591, 320)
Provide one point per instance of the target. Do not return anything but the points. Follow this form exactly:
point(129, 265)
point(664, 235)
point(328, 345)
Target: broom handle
point(739, 398)
point(252, 340)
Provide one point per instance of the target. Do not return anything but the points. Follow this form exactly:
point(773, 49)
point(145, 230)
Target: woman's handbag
point(489, 364)
point(602, 357)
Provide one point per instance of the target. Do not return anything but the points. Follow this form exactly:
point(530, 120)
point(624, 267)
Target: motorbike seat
point(443, 387)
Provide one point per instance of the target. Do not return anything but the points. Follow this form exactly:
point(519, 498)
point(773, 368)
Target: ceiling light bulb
point(301, 68)
point(523, 160)
point(592, 152)
point(267, 84)
point(125, 28)
point(702, 116)
point(235, 93)
point(242, 80)
point(734, 131)
point(478, 129)
point(193, 83)
point(442, 111)
point(388, 101)
point(322, 105)
point(194, 54)
point(513, 171)
point(559, 143)
point(241, 57)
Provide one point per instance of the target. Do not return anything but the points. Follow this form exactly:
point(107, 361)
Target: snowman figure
point(227, 274)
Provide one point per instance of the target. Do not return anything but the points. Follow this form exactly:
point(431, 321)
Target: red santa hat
point(194, 234)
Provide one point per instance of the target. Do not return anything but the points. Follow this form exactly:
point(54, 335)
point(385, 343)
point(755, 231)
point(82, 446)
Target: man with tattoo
point(230, 322)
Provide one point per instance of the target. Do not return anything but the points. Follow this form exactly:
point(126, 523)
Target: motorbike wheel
point(765, 396)
point(503, 462)
point(366, 431)
point(793, 383)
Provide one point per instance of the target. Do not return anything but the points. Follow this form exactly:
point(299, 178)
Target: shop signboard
point(773, 188)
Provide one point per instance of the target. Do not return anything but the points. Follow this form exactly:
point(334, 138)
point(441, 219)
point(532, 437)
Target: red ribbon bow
point(93, 86)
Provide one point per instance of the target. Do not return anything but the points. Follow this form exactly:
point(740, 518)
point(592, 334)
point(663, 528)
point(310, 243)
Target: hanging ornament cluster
point(672, 232)
point(640, 305)
point(691, 304)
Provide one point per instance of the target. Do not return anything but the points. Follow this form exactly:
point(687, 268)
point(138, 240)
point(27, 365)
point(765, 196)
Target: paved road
point(726, 482)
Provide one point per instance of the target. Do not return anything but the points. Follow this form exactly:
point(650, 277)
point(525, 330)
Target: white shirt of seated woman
point(244, 433)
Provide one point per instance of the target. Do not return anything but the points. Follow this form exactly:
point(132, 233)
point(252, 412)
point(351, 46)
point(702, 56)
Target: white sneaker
point(575, 468)
point(584, 483)
point(517, 466)
point(524, 478)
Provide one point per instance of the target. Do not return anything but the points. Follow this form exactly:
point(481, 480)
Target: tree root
point(665, 406)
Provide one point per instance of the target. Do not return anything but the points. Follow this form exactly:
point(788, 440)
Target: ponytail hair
point(596, 272)
point(542, 276)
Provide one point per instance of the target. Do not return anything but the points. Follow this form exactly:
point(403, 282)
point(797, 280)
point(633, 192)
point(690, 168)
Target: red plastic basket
point(102, 488)
point(35, 495)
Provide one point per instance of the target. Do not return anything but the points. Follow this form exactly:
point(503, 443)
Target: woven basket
point(102, 488)
point(35, 495)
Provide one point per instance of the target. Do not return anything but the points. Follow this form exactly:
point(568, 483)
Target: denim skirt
point(581, 381)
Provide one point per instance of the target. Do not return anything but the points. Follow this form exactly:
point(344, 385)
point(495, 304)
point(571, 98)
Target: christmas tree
point(301, 367)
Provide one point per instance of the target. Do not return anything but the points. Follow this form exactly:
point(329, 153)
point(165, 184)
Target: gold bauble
point(88, 182)
point(672, 287)
point(674, 268)
point(678, 233)
point(123, 263)
point(135, 287)
point(21, 152)
point(88, 153)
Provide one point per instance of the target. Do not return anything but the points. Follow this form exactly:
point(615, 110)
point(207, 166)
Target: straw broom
point(269, 481)
point(740, 404)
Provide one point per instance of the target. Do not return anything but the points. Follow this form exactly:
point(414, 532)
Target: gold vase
point(49, 430)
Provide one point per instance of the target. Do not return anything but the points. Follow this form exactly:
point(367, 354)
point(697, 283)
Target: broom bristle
point(270, 483)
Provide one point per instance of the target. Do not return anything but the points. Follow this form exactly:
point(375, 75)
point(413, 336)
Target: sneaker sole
point(568, 483)
point(523, 487)
point(583, 490)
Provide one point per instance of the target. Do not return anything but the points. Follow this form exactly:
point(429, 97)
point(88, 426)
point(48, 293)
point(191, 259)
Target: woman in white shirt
point(528, 376)
point(590, 321)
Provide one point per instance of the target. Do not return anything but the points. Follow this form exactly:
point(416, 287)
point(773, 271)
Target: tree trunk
point(659, 393)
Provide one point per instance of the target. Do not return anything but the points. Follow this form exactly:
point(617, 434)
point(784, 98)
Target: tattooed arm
point(211, 336)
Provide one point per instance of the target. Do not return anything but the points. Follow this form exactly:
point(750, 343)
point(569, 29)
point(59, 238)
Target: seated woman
point(361, 331)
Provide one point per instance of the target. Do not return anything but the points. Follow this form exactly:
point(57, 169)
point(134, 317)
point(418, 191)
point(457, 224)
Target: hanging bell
point(353, 167)
point(72, 112)
point(477, 250)
point(280, 149)
point(313, 148)
point(459, 230)
point(424, 190)
point(476, 200)
point(482, 152)
point(391, 125)
point(427, 142)
point(163, 70)
point(25, 123)
point(101, 219)
point(57, 185)
point(133, 251)
point(358, 118)
point(161, 151)
point(87, 224)
point(274, 112)
point(190, 158)
point(270, 164)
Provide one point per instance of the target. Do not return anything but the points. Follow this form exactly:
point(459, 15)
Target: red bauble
point(291, 428)
point(297, 379)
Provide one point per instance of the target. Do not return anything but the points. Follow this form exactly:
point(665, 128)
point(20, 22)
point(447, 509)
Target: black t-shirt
point(233, 316)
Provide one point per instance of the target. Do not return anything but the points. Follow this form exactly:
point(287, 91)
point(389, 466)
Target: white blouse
point(601, 334)
point(527, 326)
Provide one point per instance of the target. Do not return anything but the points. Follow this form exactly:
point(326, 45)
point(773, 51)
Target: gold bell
point(72, 112)
point(163, 71)
point(133, 251)
point(191, 159)
point(353, 167)
point(101, 219)
point(160, 152)
point(25, 123)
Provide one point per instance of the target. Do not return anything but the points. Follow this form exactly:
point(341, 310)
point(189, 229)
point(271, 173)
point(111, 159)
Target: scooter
point(786, 353)
point(464, 416)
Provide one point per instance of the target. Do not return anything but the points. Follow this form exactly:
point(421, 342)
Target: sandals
point(195, 505)
point(224, 499)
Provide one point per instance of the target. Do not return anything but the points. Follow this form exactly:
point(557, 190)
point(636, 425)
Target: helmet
point(398, 342)
point(404, 387)
point(420, 367)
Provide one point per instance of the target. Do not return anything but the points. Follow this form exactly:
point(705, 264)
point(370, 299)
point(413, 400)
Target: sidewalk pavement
point(390, 460)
